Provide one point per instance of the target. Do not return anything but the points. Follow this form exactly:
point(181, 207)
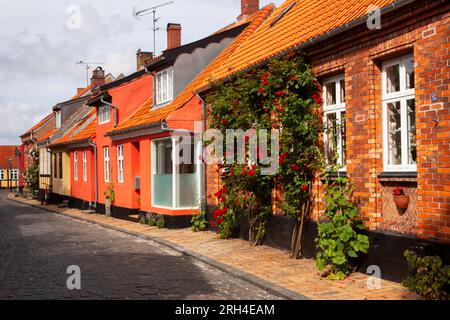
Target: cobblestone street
point(36, 247)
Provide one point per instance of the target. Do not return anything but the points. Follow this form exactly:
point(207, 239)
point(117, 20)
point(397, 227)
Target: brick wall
point(422, 30)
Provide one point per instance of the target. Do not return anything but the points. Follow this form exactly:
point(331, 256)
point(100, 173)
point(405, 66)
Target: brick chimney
point(141, 58)
point(248, 8)
point(98, 77)
point(173, 35)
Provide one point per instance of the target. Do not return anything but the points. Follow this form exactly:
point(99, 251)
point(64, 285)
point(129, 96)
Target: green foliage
point(110, 193)
point(338, 239)
point(199, 223)
point(430, 278)
point(31, 175)
point(160, 223)
point(151, 221)
point(277, 96)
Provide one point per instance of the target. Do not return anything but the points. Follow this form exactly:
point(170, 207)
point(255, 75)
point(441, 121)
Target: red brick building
point(385, 74)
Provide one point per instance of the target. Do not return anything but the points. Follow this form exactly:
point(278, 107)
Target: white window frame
point(336, 109)
point(402, 96)
point(58, 119)
point(175, 150)
point(14, 174)
point(85, 166)
point(104, 114)
point(75, 165)
point(2, 175)
point(106, 164)
point(120, 164)
point(164, 86)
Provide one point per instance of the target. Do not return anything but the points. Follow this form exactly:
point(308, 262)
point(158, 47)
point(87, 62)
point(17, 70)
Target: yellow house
point(61, 173)
point(9, 164)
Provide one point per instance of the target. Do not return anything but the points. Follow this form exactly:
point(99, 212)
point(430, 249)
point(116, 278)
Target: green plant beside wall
point(199, 223)
point(160, 222)
point(339, 240)
point(31, 175)
point(430, 277)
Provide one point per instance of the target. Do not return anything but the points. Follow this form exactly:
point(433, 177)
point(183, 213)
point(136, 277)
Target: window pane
point(409, 67)
point(343, 139)
point(163, 183)
point(394, 133)
point(331, 132)
point(187, 182)
point(342, 84)
point(393, 78)
point(164, 88)
point(412, 150)
point(331, 93)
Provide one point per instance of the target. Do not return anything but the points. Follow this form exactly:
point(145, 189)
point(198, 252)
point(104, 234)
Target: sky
point(41, 41)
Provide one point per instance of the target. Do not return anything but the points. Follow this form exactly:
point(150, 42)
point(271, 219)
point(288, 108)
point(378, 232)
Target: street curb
point(242, 275)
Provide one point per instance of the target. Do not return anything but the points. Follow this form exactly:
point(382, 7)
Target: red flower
point(211, 223)
point(280, 109)
point(295, 167)
point(284, 155)
point(251, 173)
point(261, 90)
point(305, 188)
point(224, 121)
point(266, 110)
point(247, 139)
point(276, 103)
point(264, 81)
point(282, 161)
point(279, 93)
point(244, 173)
point(317, 98)
point(266, 75)
point(292, 77)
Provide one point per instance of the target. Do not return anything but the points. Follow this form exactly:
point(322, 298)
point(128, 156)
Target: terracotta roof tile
point(39, 124)
point(86, 128)
point(306, 20)
point(6, 153)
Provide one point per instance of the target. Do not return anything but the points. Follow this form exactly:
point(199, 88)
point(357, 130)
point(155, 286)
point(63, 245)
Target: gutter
point(202, 174)
point(94, 145)
point(394, 6)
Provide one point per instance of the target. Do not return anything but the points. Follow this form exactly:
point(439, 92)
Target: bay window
point(399, 117)
point(120, 168)
point(164, 86)
point(175, 173)
point(106, 164)
point(334, 121)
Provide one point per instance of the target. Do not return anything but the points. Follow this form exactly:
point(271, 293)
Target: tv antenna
point(148, 11)
point(88, 66)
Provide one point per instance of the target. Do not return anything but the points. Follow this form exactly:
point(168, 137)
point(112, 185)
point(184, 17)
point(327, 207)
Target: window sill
point(397, 177)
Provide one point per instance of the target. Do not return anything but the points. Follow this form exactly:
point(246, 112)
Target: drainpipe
point(115, 110)
point(94, 145)
point(203, 175)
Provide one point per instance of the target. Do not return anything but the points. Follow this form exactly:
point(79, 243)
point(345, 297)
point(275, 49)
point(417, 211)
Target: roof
point(39, 124)
point(6, 153)
point(84, 129)
point(306, 20)
point(143, 117)
point(82, 92)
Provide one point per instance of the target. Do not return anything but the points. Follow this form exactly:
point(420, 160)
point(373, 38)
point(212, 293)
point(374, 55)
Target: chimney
point(173, 35)
point(98, 77)
point(248, 8)
point(141, 58)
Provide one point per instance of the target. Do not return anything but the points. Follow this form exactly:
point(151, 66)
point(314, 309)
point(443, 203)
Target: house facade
point(386, 88)
point(9, 167)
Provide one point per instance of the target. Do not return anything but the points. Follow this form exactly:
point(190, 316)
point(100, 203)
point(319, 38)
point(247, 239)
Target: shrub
point(430, 278)
point(160, 223)
point(199, 223)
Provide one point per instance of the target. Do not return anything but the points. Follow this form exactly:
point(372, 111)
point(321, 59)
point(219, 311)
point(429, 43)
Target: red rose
point(282, 161)
point(305, 188)
point(224, 121)
point(292, 77)
point(317, 98)
point(261, 90)
point(266, 75)
point(279, 93)
point(251, 173)
point(295, 167)
point(280, 109)
point(264, 81)
point(244, 173)
point(284, 155)
point(277, 103)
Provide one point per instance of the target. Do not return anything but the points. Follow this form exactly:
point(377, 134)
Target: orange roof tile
point(85, 129)
point(306, 20)
point(145, 117)
point(85, 90)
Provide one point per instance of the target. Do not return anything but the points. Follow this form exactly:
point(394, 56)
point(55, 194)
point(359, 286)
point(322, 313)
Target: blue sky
point(38, 51)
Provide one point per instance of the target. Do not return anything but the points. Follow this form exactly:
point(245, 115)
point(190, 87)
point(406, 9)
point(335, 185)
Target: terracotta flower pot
point(402, 202)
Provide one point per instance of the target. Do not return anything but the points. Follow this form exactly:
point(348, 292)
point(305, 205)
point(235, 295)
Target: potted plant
point(400, 198)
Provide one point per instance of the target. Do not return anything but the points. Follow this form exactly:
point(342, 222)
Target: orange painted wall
point(83, 190)
point(128, 98)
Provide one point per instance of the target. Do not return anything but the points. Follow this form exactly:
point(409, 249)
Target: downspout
point(115, 110)
point(203, 175)
point(94, 145)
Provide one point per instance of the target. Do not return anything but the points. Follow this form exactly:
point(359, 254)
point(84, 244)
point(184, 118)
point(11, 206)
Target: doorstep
point(266, 267)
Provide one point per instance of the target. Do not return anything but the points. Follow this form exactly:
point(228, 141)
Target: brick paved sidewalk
point(269, 264)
